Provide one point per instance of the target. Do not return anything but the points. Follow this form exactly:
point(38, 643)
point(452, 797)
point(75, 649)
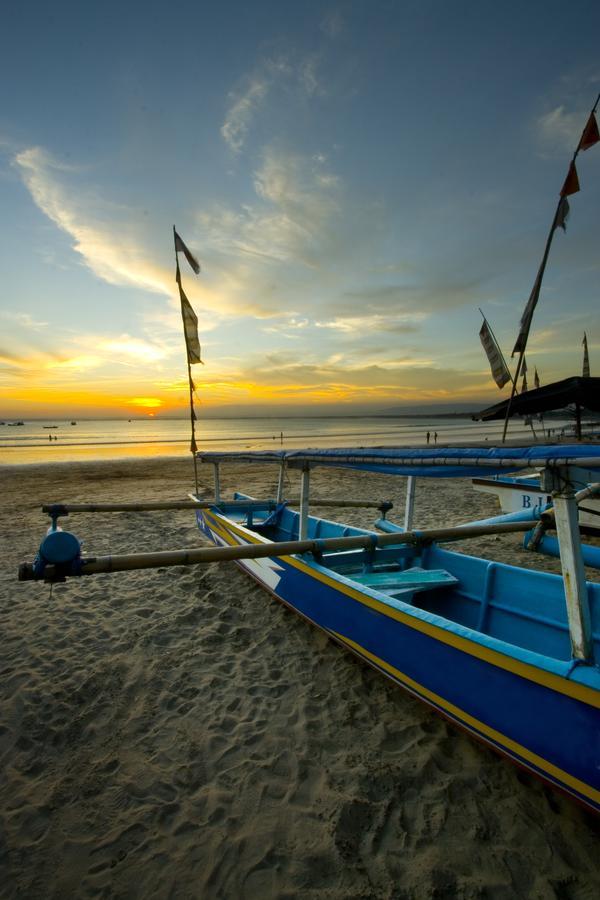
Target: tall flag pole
point(500, 371)
point(190, 332)
point(589, 137)
point(586, 358)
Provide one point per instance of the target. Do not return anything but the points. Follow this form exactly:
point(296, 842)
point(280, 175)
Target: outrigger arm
point(134, 561)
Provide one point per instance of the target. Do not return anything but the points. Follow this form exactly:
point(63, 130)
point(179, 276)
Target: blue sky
point(355, 178)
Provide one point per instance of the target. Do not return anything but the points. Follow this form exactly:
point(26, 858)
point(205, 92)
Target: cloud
point(288, 226)
point(308, 76)
point(276, 378)
point(332, 24)
point(133, 348)
point(108, 238)
point(251, 97)
point(560, 129)
point(101, 231)
point(24, 320)
point(240, 114)
point(363, 325)
point(414, 301)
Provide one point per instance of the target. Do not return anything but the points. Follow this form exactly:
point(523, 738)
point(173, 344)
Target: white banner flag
point(500, 372)
point(190, 328)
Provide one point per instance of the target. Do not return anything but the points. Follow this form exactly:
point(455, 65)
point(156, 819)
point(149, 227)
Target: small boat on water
point(509, 654)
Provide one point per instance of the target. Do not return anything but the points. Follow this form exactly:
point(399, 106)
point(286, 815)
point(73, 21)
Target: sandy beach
point(177, 733)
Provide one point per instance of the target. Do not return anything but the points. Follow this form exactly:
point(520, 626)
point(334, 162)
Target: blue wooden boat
point(509, 654)
point(488, 645)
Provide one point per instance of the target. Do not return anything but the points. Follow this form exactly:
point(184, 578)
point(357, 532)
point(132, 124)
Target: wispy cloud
point(23, 319)
point(288, 227)
point(560, 128)
point(243, 108)
point(363, 325)
point(110, 240)
point(333, 23)
point(251, 96)
point(101, 231)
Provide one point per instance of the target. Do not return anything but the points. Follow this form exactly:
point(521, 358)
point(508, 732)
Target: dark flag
point(500, 372)
point(525, 323)
point(562, 214)
point(571, 185)
point(590, 135)
point(524, 373)
point(181, 248)
point(536, 378)
point(190, 328)
point(586, 358)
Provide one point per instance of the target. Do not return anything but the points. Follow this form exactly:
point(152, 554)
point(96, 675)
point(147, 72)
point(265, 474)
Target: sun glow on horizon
point(147, 402)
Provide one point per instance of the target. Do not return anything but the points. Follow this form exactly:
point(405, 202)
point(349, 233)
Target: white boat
point(520, 492)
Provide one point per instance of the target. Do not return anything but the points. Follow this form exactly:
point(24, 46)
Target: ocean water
point(38, 441)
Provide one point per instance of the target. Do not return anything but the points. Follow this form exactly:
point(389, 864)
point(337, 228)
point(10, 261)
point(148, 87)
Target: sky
point(357, 180)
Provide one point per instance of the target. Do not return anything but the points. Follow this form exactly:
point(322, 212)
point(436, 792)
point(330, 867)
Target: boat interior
point(523, 607)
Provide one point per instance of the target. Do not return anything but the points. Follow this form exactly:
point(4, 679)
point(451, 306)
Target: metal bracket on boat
point(369, 554)
point(55, 510)
point(418, 538)
point(560, 482)
point(317, 551)
point(384, 507)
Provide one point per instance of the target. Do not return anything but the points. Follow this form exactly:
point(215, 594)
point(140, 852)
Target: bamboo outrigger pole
point(64, 509)
point(134, 561)
point(534, 296)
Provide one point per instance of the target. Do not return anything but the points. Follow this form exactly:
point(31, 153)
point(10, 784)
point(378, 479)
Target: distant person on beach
point(428, 436)
point(435, 437)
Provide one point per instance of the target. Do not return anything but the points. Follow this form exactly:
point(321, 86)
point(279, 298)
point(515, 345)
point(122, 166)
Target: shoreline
point(152, 455)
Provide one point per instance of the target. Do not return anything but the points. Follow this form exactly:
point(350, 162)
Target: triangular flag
point(562, 214)
point(536, 378)
point(590, 135)
point(586, 358)
point(571, 185)
point(180, 247)
point(193, 446)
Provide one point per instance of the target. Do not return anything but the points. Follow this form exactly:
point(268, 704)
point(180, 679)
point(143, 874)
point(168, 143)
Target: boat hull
point(516, 494)
point(542, 720)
